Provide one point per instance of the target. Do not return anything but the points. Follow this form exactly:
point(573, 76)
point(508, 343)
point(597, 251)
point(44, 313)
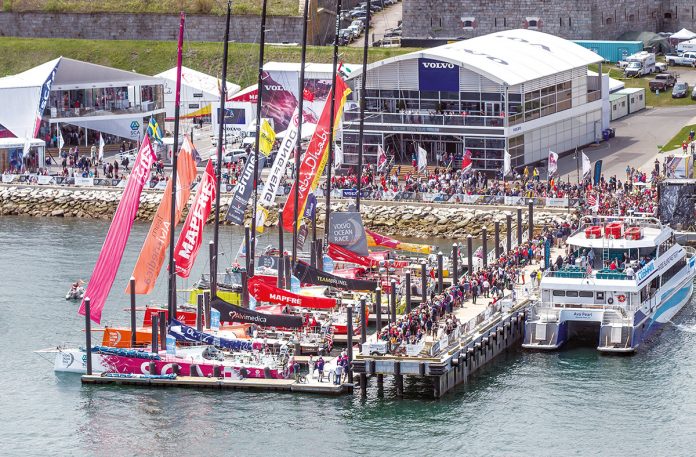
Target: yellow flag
point(261, 218)
point(266, 138)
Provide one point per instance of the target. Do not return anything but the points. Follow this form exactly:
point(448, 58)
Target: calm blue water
point(574, 402)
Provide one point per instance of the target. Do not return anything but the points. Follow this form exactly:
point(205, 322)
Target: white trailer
point(640, 64)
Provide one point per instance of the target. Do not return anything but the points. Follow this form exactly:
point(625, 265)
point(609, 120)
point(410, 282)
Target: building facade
point(592, 20)
point(519, 90)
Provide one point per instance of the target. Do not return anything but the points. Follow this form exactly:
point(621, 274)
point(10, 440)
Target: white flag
point(586, 166)
point(422, 159)
point(507, 164)
point(101, 148)
point(61, 143)
point(338, 156)
point(381, 159)
point(553, 163)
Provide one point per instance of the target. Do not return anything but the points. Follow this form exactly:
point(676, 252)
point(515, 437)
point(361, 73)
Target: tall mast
point(218, 168)
point(298, 150)
point(363, 79)
point(175, 151)
point(332, 120)
point(255, 182)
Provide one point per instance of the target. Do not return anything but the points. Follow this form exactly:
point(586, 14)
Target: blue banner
point(438, 75)
point(597, 171)
point(188, 334)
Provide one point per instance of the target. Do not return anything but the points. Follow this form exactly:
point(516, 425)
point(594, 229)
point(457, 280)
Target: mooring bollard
point(440, 272)
point(519, 226)
point(88, 335)
point(393, 301)
point(349, 317)
point(424, 282)
point(508, 234)
point(199, 313)
point(470, 253)
point(484, 246)
point(455, 264)
point(408, 292)
point(530, 223)
point(363, 321)
point(378, 309)
point(133, 340)
point(496, 239)
point(155, 333)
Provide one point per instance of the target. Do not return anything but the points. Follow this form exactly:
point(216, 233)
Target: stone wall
point(405, 220)
point(565, 18)
point(165, 27)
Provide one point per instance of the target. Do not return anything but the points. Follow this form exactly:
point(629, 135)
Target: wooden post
point(519, 226)
point(484, 244)
point(363, 321)
point(455, 264)
point(393, 301)
point(247, 247)
point(281, 257)
point(88, 336)
point(349, 317)
point(206, 303)
point(508, 222)
point(245, 289)
point(530, 223)
point(132, 312)
point(378, 309)
point(399, 379)
point(470, 253)
point(199, 313)
point(163, 330)
point(155, 332)
point(424, 282)
point(440, 272)
point(213, 270)
point(496, 240)
point(408, 292)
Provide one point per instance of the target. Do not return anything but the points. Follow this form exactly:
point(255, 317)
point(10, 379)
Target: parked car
point(231, 156)
point(662, 81)
point(680, 90)
point(359, 24)
point(687, 58)
point(693, 94)
point(355, 30)
point(347, 35)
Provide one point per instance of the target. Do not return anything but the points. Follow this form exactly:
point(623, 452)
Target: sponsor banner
point(242, 191)
point(268, 261)
point(346, 229)
point(406, 196)
point(512, 201)
point(558, 202)
point(441, 197)
point(374, 348)
point(375, 239)
point(43, 101)
point(428, 196)
point(111, 252)
point(389, 195)
point(437, 75)
point(84, 182)
point(151, 256)
point(262, 291)
point(310, 275)
point(41, 179)
point(342, 254)
point(315, 157)
point(6, 178)
point(184, 333)
point(234, 313)
point(415, 349)
point(191, 235)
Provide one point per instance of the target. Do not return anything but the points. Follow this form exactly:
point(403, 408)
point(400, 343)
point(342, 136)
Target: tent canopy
point(197, 80)
point(683, 34)
point(650, 40)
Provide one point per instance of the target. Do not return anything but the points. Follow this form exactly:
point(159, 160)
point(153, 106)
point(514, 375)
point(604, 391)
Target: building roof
point(509, 57)
point(199, 81)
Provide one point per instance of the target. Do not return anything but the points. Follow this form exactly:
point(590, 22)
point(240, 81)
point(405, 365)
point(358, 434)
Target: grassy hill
point(152, 57)
point(275, 7)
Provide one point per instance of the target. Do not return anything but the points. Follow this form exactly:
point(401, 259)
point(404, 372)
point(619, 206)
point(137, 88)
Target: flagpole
point(262, 43)
point(329, 165)
point(218, 168)
point(298, 150)
point(363, 82)
point(172, 213)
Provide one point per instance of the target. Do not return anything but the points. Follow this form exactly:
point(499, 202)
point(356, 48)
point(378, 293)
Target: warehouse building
point(522, 91)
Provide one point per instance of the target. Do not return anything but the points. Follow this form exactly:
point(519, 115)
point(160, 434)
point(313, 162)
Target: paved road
point(380, 22)
point(636, 141)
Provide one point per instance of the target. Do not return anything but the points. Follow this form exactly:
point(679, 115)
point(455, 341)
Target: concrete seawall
point(404, 219)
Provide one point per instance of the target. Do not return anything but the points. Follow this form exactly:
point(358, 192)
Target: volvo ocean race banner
point(191, 235)
point(184, 333)
point(112, 251)
point(275, 177)
point(315, 157)
point(233, 313)
point(346, 229)
point(151, 257)
point(437, 75)
point(43, 101)
point(307, 274)
point(263, 291)
point(242, 191)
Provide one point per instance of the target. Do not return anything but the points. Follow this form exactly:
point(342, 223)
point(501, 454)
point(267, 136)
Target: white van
point(686, 46)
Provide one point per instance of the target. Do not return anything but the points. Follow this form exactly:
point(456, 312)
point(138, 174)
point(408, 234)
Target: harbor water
point(573, 402)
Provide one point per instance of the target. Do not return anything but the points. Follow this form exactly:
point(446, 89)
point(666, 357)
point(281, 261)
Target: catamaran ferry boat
point(629, 278)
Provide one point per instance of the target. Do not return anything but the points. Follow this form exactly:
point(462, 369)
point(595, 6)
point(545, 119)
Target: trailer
point(612, 51)
point(640, 64)
point(635, 97)
point(618, 106)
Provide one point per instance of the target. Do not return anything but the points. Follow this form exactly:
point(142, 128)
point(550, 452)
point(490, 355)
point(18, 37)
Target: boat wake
point(691, 328)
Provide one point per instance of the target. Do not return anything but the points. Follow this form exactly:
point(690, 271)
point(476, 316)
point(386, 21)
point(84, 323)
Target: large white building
point(522, 91)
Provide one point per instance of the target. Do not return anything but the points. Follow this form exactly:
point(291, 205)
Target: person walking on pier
point(338, 373)
point(320, 368)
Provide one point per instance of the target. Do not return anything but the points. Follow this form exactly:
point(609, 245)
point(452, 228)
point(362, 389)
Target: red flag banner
point(112, 250)
point(315, 157)
point(191, 235)
point(342, 254)
point(262, 291)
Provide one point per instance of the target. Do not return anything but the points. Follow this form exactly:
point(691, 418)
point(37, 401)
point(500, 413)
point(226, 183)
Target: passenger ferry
point(636, 279)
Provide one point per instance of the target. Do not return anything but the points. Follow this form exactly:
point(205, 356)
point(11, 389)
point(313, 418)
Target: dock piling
point(313, 253)
point(393, 301)
point(424, 282)
point(440, 274)
point(288, 272)
point(455, 263)
point(213, 270)
point(399, 378)
point(163, 330)
point(508, 233)
point(88, 335)
point(320, 254)
point(378, 309)
point(519, 226)
point(132, 312)
point(247, 250)
point(484, 246)
point(199, 313)
point(408, 292)
point(245, 289)
point(363, 321)
point(206, 304)
point(496, 238)
point(155, 331)
point(470, 253)
point(281, 256)
point(530, 223)
point(349, 321)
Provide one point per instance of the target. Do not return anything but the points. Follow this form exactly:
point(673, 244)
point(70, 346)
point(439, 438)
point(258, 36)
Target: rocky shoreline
point(403, 219)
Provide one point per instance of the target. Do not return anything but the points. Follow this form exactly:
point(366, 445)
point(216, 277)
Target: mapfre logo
point(438, 65)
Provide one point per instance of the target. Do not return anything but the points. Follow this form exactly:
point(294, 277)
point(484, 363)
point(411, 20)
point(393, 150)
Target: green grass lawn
point(152, 57)
point(676, 141)
point(275, 7)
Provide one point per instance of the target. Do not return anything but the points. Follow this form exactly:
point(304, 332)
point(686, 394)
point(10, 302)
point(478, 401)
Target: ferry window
point(587, 294)
point(572, 293)
point(600, 296)
point(559, 293)
point(673, 270)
